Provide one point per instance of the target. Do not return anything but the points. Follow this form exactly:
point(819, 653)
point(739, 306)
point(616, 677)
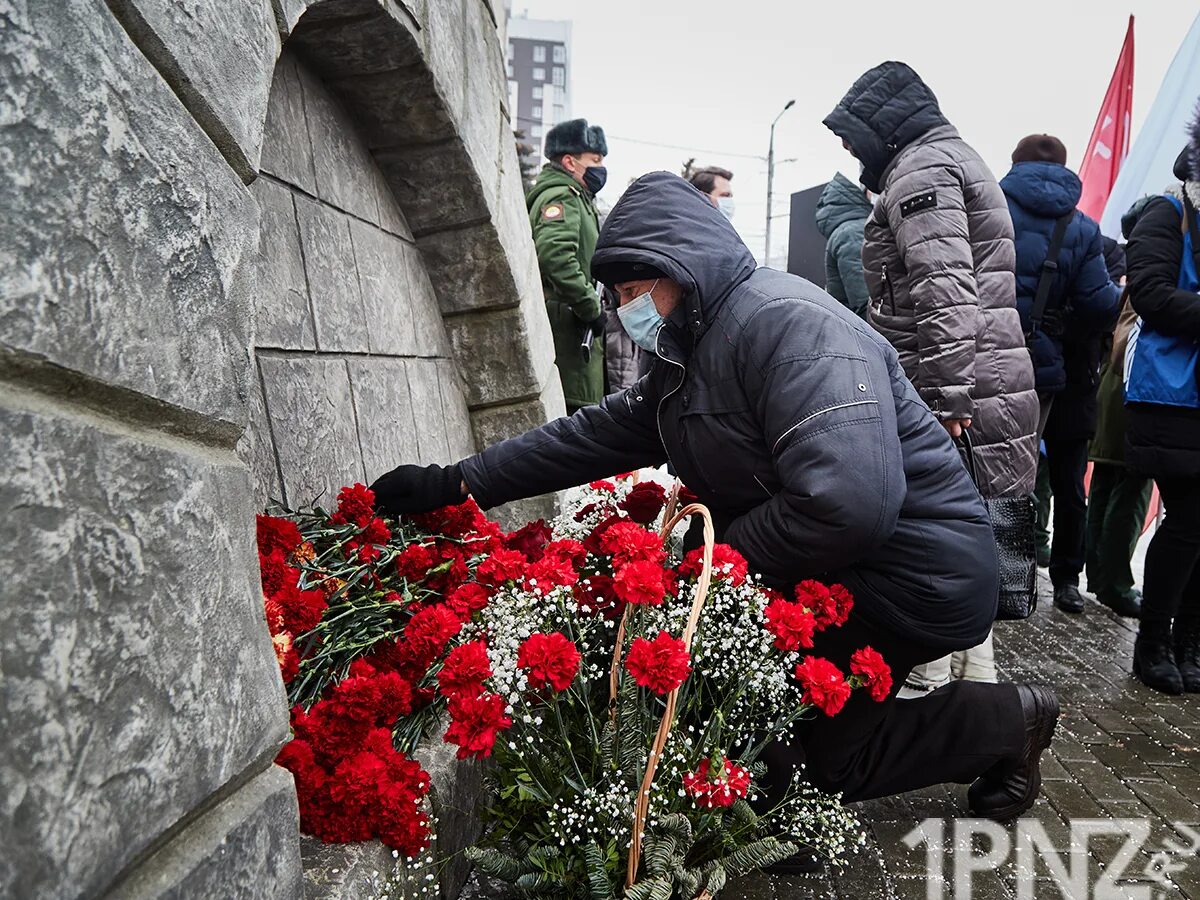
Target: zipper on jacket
point(665, 397)
point(887, 283)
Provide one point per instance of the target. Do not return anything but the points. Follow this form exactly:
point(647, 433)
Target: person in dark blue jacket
point(1066, 344)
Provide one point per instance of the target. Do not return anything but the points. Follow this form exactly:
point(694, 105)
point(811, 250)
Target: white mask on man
point(725, 205)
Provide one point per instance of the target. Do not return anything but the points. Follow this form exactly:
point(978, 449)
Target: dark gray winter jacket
point(789, 417)
point(939, 260)
point(841, 215)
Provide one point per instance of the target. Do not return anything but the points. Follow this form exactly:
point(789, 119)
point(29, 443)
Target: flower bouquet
point(626, 691)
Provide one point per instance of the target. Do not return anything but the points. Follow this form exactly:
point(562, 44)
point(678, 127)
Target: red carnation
point(874, 674)
point(824, 684)
point(640, 583)
point(531, 540)
point(661, 664)
point(275, 533)
point(302, 610)
point(727, 788)
point(276, 573)
point(467, 599)
point(830, 605)
point(414, 562)
point(792, 625)
point(628, 542)
point(645, 502)
point(286, 656)
point(728, 564)
point(567, 549)
point(465, 670)
point(424, 639)
point(475, 722)
point(550, 659)
point(602, 485)
point(502, 566)
point(551, 572)
point(456, 521)
point(356, 504)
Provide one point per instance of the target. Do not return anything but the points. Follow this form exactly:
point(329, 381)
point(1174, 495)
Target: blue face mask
point(641, 320)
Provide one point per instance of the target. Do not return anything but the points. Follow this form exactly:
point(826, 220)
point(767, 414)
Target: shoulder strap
point(1049, 270)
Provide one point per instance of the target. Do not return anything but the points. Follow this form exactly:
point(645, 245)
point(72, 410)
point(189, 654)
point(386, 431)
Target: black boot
point(1128, 604)
point(1187, 654)
point(1011, 786)
point(1154, 663)
point(1068, 599)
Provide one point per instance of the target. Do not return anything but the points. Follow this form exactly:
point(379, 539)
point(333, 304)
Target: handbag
point(1013, 522)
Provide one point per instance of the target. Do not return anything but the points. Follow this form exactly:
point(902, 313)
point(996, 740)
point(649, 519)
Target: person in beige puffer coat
point(939, 261)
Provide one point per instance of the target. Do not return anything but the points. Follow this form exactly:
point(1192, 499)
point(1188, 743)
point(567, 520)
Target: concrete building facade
point(539, 76)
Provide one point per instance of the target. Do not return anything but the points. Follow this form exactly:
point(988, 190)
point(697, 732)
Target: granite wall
point(250, 249)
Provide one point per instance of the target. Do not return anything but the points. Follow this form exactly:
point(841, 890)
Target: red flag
point(1110, 136)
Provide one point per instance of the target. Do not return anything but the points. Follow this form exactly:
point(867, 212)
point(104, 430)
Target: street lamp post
point(771, 180)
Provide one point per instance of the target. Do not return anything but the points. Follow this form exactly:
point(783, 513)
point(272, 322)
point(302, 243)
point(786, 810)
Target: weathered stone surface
point(287, 14)
point(444, 50)
point(436, 184)
point(343, 165)
point(382, 263)
point(430, 419)
point(248, 846)
point(428, 327)
point(456, 789)
point(473, 270)
point(256, 449)
point(487, 85)
point(282, 314)
point(510, 353)
point(332, 277)
point(495, 423)
point(394, 108)
point(101, 163)
point(391, 216)
point(287, 149)
point(458, 421)
point(312, 419)
point(386, 428)
point(135, 600)
point(359, 37)
point(218, 57)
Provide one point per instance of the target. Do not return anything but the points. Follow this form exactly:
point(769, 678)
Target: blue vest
point(1162, 368)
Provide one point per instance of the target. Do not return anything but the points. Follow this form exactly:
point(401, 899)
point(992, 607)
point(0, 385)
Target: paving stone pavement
point(1121, 751)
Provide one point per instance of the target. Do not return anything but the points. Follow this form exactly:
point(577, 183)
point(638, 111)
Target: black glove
point(596, 325)
point(417, 489)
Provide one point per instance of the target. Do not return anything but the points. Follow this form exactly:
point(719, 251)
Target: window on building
point(537, 112)
point(560, 53)
point(559, 76)
point(537, 92)
point(511, 50)
point(539, 53)
point(539, 74)
point(535, 132)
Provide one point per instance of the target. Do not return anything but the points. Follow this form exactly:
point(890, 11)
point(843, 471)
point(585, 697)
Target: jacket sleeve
point(619, 434)
point(934, 242)
point(1095, 300)
point(1153, 258)
point(833, 275)
point(848, 251)
point(829, 419)
point(557, 242)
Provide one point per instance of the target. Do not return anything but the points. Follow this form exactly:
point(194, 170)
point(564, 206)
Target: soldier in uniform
point(562, 213)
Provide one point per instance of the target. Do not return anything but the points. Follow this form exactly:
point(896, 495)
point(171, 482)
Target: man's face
point(577, 165)
point(721, 188)
point(665, 293)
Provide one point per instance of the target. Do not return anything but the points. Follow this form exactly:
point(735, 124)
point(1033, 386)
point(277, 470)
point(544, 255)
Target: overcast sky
point(710, 76)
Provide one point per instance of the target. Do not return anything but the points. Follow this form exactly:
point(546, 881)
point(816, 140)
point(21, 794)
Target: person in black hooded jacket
point(1162, 395)
point(792, 420)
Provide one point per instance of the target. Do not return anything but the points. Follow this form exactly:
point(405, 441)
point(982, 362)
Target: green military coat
point(565, 229)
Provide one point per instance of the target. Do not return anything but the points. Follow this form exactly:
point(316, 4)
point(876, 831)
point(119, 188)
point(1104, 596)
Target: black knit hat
point(620, 271)
point(575, 136)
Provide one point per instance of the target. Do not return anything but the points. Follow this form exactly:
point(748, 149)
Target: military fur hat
point(575, 136)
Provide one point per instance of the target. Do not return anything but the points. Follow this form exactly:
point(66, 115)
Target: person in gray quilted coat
point(939, 260)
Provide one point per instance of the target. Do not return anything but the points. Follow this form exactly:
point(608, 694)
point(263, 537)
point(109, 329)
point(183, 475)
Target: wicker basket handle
point(641, 808)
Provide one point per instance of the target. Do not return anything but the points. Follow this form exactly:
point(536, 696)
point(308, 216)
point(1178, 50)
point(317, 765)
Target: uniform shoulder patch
point(917, 203)
point(552, 211)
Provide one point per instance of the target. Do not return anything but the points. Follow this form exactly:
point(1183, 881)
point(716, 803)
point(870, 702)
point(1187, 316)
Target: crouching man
point(791, 419)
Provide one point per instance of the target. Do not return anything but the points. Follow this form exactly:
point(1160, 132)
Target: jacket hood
point(663, 222)
point(842, 201)
point(1047, 190)
point(1129, 220)
point(887, 109)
